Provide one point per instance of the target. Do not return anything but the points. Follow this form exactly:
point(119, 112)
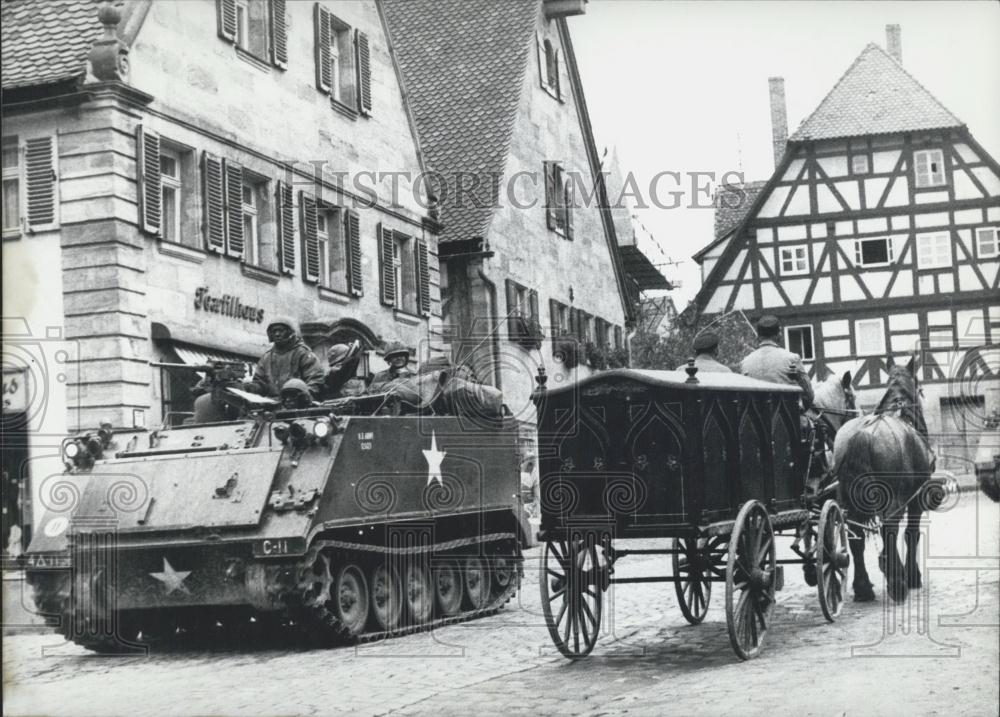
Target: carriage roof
point(706, 381)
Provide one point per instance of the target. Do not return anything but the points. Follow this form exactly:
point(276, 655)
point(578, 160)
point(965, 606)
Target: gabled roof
point(875, 96)
point(463, 62)
point(46, 42)
point(732, 202)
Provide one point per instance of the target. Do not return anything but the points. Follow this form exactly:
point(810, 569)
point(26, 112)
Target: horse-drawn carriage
point(715, 462)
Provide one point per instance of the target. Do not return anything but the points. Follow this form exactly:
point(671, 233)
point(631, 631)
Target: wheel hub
point(761, 579)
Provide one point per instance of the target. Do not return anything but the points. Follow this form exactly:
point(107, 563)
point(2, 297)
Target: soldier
point(770, 362)
point(397, 356)
point(706, 348)
point(295, 394)
point(288, 357)
point(342, 380)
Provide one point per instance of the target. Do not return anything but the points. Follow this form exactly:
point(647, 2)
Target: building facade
point(177, 175)
point(530, 267)
point(876, 237)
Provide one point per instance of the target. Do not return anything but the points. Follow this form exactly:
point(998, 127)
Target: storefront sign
point(227, 305)
point(15, 391)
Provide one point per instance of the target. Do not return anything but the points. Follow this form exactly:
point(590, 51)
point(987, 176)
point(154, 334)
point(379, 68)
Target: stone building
point(176, 175)
point(503, 124)
point(877, 236)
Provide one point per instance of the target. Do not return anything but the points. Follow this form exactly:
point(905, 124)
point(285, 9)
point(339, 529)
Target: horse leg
point(894, 578)
point(912, 537)
point(863, 590)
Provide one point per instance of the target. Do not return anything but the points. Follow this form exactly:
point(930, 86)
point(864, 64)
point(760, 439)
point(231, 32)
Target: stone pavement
point(936, 654)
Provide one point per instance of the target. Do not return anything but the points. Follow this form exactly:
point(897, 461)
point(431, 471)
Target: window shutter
point(540, 52)
point(284, 201)
point(321, 22)
point(550, 194)
point(147, 153)
point(559, 92)
point(618, 337)
point(423, 278)
point(554, 319)
point(227, 19)
point(386, 267)
point(363, 51)
point(40, 183)
point(234, 208)
point(513, 312)
point(352, 237)
point(214, 196)
point(567, 212)
point(309, 227)
point(279, 34)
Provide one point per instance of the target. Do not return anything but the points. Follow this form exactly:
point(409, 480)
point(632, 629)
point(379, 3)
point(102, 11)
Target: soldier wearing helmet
point(342, 380)
point(288, 358)
point(295, 394)
point(397, 356)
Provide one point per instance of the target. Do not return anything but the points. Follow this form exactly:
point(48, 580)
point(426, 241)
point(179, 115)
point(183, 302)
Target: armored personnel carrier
point(348, 520)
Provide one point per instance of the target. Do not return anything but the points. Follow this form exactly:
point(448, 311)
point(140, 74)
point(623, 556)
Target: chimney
point(894, 42)
point(779, 118)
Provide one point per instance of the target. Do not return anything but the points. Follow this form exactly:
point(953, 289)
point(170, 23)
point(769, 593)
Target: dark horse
point(883, 463)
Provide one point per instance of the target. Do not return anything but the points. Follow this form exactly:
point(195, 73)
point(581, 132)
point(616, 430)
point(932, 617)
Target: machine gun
point(224, 379)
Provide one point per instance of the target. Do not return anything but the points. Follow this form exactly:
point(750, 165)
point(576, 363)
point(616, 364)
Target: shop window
point(799, 340)
point(929, 168)
point(933, 250)
point(987, 241)
point(794, 260)
point(11, 186)
point(873, 252)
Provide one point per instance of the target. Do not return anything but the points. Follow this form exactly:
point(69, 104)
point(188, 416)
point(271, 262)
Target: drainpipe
point(494, 330)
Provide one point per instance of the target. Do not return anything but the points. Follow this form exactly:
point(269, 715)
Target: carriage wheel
point(351, 599)
point(571, 596)
point(832, 559)
point(448, 589)
point(750, 572)
point(694, 590)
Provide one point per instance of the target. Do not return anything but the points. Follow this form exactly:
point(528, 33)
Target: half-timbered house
point(877, 235)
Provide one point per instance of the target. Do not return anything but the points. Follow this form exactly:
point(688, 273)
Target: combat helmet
point(395, 348)
point(295, 393)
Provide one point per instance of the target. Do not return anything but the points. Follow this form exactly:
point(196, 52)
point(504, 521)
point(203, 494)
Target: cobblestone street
point(935, 655)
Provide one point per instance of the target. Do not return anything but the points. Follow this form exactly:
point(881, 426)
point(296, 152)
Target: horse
point(883, 462)
point(834, 402)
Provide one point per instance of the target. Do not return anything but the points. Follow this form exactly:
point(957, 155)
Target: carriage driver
point(771, 362)
point(706, 348)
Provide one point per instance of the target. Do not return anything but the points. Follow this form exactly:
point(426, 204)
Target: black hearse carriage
point(713, 461)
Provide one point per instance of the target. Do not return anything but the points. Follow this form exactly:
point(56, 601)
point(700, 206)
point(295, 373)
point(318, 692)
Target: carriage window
point(799, 340)
point(873, 252)
point(869, 335)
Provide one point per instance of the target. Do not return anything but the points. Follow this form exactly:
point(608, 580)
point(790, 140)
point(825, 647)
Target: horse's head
point(835, 398)
point(903, 394)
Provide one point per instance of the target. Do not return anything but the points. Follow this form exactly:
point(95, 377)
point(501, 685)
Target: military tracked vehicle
point(348, 520)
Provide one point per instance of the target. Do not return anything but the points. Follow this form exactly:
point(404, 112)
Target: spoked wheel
point(419, 593)
point(448, 589)
point(832, 559)
point(476, 581)
point(571, 596)
point(386, 597)
point(750, 572)
point(694, 590)
point(350, 601)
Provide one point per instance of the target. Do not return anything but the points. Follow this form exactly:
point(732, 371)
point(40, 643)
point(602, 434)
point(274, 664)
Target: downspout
point(494, 331)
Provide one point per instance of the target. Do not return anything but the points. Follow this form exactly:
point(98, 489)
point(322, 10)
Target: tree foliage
point(737, 338)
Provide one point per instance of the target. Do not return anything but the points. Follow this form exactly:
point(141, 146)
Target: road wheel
point(419, 593)
point(750, 572)
point(476, 581)
point(350, 599)
point(691, 573)
point(386, 597)
point(448, 589)
point(833, 559)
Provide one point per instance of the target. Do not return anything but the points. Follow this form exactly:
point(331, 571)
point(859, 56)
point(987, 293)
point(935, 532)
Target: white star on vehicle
point(172, 579)
point(434, 458)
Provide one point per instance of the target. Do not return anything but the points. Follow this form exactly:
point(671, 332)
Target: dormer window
point(549, 66)
point(929, 168)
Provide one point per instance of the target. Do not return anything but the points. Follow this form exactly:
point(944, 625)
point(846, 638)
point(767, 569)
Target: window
point(794, 260)
point(171, 196)
point(404, 265)
point(257, 27)
point(869, 337)
point(873, 252)
point(549, 66)
point(343, 63)
point(257, 223)
point(929, 168)
point(558, 200)
point(522, 315)
point(404, 274)
point(332, 250)
point(987, 240)
point(251, 27)
point(601, 333)
point(799, 340)
point(859, 164)
point(933, 250)
point(11, 186)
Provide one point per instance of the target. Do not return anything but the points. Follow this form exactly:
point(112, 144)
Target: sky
point(683, 86)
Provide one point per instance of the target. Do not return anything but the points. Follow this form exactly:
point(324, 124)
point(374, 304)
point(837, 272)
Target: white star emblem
point(434, 458)
point(172, 579)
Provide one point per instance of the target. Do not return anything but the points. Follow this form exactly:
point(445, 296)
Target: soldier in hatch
point(771, 362)
point(288, 357)
point(342, 380)
point(706, 348)
point(397, 356)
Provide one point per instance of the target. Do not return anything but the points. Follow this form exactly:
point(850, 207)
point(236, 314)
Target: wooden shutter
point(284, 201)
point(235, 241)
point(386, 267)
point(558, 88)
point(309, 227)
point(550, 194)
point(618, 337)
point(363, 56)
point(513, 312)
point(352, 239)
point(214, 197)
point(147, 155)
point(279, 34)
point(567, 211)
point(321, 23)
point(542, 70)
point(40, 183)
point(554, 319)
point(227, 19)
point(423, 279)
point(532, 322)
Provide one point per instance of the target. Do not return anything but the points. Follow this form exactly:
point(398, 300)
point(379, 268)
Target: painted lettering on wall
point(227, 305)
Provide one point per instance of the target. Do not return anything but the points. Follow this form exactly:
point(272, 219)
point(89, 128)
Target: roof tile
point(45, 42)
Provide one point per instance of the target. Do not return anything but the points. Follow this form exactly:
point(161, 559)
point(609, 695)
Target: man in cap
point(706, 348)
point(288, 357)
point(771, 362)
point(397, 356)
